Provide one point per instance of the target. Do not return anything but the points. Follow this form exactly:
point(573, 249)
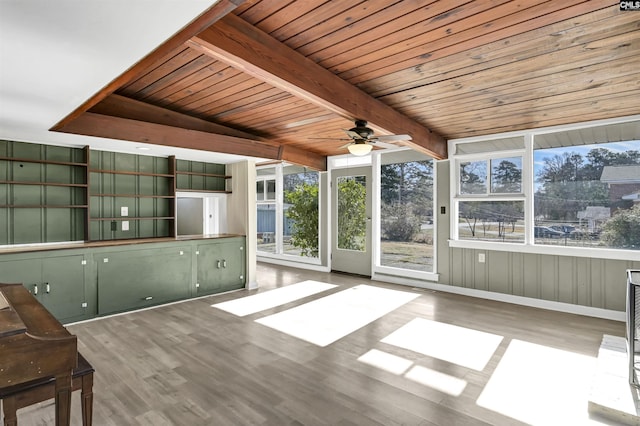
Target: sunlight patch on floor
point(385, 361)
point(325, 320)
point(458, 345)
point(425, 376)
point(436, 380)
point(540, 385)
point(272, 298)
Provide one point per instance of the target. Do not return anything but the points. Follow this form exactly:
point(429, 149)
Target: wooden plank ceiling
point(280, 79)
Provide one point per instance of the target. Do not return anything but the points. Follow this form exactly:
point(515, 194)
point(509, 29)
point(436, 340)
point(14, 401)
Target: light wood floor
point(190, 364)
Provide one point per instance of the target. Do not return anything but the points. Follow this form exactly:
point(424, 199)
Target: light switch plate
point(124, 211)
point(125, 225)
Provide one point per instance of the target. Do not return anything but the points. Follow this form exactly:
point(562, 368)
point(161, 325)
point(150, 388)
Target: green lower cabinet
point(140, 278)
point(81, 284)
point(221, 266)
point(57, 282)
point(63, 292)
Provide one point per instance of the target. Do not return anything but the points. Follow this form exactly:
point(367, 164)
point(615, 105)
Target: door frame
point(351, 261)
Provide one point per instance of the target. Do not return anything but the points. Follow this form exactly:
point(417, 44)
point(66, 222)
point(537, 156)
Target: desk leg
point(87, 399)
point(63, 399)
point(9, 408)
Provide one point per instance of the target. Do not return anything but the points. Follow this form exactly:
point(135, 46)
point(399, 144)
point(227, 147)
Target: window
point(287, 211)
point(266, 209)
point(505, 176)
point(491, 221)
point(490, 200)
point(406, 211)
point(301, 213)
point(266, 190)
point(585, 196)
point(568, 186)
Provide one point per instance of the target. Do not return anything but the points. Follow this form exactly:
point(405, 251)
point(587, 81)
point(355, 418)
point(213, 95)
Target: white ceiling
point(54, 55)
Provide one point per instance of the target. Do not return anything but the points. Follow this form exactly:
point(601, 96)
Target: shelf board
point(133, 218)
point(125, 172)
point(31, 160)
point(131, 195)
point(19, 182)
point(178, 172)
point(213, 191)
point(46, 206)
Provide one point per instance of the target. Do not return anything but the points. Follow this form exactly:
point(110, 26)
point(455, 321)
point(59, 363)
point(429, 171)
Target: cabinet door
point(221, 266)
point(233, 265)
point(27, 272)
point(62, 289)
point(57, 282)
point(209, 268)
point(141, 278)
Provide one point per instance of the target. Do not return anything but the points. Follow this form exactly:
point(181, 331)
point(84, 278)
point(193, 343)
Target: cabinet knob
point(148, 298)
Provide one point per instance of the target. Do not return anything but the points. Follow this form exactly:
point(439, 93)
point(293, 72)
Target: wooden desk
point(25, 394)
point(34, 345)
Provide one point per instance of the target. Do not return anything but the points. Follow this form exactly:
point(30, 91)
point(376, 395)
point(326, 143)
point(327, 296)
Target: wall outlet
point(481, 257)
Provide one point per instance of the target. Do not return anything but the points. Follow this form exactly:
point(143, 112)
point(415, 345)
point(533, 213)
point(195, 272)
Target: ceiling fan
point(362, 138)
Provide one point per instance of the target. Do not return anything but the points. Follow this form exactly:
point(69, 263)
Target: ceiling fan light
point(360, 149)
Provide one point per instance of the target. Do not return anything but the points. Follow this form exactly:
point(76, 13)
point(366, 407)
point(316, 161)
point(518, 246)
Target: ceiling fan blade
point(330, 139)
point(352, 135)
point(345, 145)
point(387, 145)
point(392, 138)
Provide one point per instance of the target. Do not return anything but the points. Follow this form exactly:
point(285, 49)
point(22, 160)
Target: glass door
point(351, 219)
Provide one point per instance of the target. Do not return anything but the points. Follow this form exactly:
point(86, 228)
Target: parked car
point(565, 229)
point(547, 232)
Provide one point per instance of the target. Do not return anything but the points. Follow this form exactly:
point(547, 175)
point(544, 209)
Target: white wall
point(241, 212)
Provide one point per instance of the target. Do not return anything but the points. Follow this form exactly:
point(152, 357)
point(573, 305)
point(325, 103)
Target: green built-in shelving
point(43, 193)
point(196, 176)
point(51, 193)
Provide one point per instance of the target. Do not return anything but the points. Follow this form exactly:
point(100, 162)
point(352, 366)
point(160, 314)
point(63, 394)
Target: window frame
point(377, 269)
point(278, 176)
point(528, 184)
point(458, 198)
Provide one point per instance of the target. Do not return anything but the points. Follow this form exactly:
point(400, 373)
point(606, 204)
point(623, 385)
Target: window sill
point(405, 273)
point(596, 253)
point(289, 258)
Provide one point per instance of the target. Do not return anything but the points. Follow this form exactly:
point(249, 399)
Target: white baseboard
point(509, 298)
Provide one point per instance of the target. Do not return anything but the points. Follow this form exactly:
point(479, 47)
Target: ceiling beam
point(124, 107)
point(245, 47)
point(211, 15)
point(106, 126)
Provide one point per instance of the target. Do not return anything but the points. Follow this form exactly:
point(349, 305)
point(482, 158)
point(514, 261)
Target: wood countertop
point(26, 248)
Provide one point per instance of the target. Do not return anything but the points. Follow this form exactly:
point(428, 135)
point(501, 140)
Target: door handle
point(218, 264)
point(224, 263)
point(47, 287)
point(35, 289)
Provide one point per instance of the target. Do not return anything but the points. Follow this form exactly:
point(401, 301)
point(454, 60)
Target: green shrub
point(623, 229)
